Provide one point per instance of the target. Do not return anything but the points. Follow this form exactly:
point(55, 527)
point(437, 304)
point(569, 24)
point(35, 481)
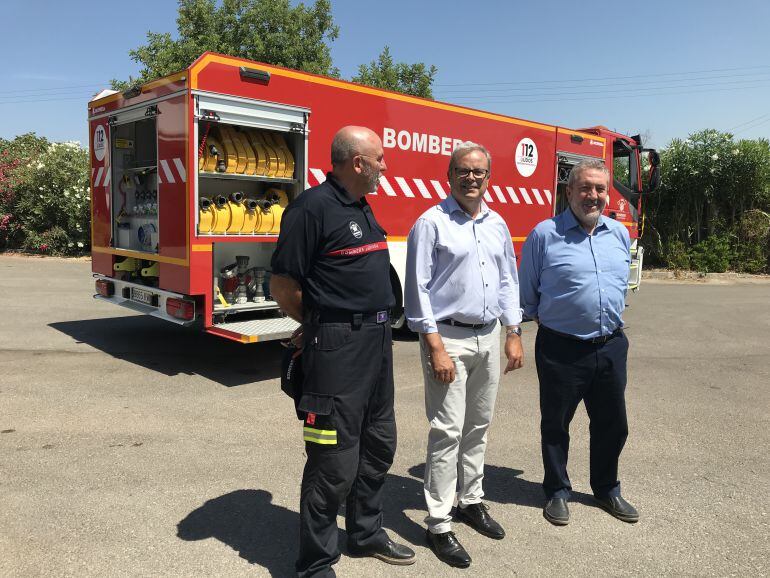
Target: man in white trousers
point(461, 283)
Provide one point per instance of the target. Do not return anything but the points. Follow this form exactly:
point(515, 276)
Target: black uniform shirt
point(335, 249)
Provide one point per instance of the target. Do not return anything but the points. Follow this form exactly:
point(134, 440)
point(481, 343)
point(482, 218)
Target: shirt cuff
point(422, 325)
point(512, 317)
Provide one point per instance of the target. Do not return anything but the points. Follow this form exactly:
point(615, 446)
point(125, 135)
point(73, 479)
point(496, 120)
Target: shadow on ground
point(265, 534)
point(173, 350)
point(502, 485)
point(249, 523)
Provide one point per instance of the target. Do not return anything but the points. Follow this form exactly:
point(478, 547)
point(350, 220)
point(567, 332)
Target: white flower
point(80, 244)
point(715, 157)
point(70, 244)
point(66, 193)
point(40, 165)
point(736, 152)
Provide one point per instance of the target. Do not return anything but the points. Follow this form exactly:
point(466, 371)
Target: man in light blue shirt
point(461, 279)
point(574, 277)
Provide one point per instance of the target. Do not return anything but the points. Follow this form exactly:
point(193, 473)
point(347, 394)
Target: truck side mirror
point(653, 182)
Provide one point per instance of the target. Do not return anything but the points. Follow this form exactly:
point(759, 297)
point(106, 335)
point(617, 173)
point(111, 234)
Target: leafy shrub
point(52, 202)
point(675, 255)
point(751, 257)
point(55, 241)
point(712, 255)
point(10, 230)
point(752, 246)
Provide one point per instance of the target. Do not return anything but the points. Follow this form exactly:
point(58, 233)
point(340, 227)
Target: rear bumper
point(122, 297)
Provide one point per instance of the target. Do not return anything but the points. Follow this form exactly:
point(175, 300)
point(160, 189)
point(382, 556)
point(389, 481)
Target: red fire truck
point(190, 175)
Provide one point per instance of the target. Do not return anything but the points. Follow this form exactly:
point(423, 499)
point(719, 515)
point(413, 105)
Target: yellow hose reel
point(244, 151)
point(240, 215)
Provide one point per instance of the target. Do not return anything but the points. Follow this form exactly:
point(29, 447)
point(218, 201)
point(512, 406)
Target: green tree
point(415, 79)
point(709, 208)
point(269, 31)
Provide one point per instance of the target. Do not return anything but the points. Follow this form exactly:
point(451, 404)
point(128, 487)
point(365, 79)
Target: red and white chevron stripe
point(169, 171)
point(417, 188)
point(172, 171)
point(102, 178)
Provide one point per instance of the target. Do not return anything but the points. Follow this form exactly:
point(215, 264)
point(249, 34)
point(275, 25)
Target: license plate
point(141, 296)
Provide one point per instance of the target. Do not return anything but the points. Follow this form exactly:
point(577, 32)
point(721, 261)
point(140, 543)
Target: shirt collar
point(570, 222)
point(451, 205)
point(341, 193)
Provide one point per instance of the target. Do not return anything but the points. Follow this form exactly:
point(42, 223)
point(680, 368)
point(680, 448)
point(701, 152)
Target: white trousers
point(459, 414)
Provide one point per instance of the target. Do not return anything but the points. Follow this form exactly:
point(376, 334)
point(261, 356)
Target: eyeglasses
point(477, 173)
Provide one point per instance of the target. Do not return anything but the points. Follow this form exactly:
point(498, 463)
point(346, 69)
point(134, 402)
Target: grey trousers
point(459, 414)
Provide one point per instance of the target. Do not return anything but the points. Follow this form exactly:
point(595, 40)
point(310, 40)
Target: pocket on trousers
point(319, 427)
point(332, 336)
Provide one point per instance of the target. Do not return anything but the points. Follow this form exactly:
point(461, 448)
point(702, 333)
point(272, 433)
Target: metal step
point(256, 330)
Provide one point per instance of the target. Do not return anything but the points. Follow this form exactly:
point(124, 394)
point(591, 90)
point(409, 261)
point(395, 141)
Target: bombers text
point(418, 142)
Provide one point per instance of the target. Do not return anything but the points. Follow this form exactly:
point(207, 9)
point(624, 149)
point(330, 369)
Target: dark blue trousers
point(350, 439)
point(570, 371)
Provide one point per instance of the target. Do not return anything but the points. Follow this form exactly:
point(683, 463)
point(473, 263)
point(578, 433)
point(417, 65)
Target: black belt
point(454, 323)
point(341, 316)
point(601, 339)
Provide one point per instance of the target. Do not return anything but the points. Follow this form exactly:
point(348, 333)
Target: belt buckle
point(382, 316)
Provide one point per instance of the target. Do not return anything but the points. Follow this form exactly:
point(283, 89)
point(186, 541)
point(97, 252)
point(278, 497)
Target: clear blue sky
point(667, 68)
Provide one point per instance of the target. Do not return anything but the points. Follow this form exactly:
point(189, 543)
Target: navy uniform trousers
point(570, 371)
point(350, 438)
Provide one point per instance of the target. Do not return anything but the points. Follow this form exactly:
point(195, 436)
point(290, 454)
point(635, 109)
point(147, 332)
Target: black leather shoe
point(448, 549)
point(618, 507)
point(478, 518)
point(556, 512)
point(389, 552)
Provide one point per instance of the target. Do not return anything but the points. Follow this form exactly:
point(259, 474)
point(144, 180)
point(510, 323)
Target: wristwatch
point(513, 331)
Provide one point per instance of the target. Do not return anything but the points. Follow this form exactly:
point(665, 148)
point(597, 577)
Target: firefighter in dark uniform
point(331, 272)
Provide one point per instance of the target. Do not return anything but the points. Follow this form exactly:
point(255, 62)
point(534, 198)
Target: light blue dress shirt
point(460, 268)
point(574, 282)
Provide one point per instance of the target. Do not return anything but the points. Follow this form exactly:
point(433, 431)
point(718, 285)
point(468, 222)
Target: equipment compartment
point(135, 185)
point(251, 162)
point(242, 277)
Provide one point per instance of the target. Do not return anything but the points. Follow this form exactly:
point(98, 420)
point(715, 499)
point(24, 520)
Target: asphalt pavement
point(133, 447)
